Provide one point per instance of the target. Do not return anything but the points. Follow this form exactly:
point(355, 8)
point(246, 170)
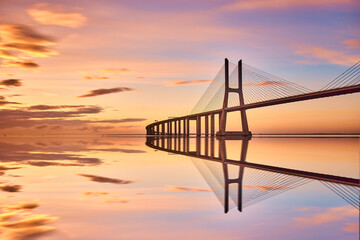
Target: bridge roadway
point(287, 171)
point(154, 128)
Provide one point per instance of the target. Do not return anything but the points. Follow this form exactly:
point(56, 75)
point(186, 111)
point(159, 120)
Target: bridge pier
point(223, 115)
point(198, 126)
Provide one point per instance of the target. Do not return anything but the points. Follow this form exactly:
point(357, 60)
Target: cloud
point(32, 49)
point(280, 4)
point(88, 193)
point(21, 64)
point(52, 107)
point(115, 200)
point(94, 77)
point(352, 43)
point(53, 163)
point(31, 226)
point(4, 102)
point(330, 215)
point(173, 188)
point(265, 83)
point(351, 227)
point(124, 120)
point(22, 206)
point(100, 179)
point(11, 83)
point(103, 91)
point(10, 188)
point(330, 56)
point(184, 82)
point(7, 54)
point(47, 14)
point(115, 70)
point(266, 187)
point(23, 34)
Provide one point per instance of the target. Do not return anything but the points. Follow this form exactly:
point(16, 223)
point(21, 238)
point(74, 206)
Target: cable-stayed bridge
point(241, 87)
point(254, 182)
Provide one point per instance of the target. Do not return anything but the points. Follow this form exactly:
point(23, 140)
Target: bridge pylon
point(223, 115)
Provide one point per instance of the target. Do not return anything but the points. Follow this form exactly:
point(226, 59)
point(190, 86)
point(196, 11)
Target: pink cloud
point(351, 227)
point(330, 56)
point(352, 43)
point(330, 215)
point(281, 4)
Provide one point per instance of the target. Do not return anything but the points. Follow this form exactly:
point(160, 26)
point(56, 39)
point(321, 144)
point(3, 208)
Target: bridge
point(255, 182)
point(243, 87)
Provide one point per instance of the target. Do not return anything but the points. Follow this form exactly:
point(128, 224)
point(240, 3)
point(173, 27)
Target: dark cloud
point(185, 82)
point(124, 120)
point(4, 102)
point(38, 50)
point(41, 127)
point(52, 107)
point(100, 179)
point(49, 163)
point(10, 188)
point(22, 206)
point(35, 156)
point(11, 83)
point(20, 64)
point(103, 91)
point(24, 34)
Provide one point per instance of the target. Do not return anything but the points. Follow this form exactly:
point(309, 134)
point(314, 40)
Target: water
point(119, 188)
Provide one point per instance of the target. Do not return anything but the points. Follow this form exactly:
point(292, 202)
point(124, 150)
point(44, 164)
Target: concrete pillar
point(212, 124)
point(206, 125)
point(187, 126)
point(198, 126)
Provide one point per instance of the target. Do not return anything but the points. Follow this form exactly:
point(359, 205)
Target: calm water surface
point(120, 188)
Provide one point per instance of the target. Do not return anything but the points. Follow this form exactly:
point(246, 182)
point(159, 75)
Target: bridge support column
point(175, 127)
point(179, 126)
point(212, 124)
point(187, 126)
point(198, 126)
point(184, 127)
point(207, 125)
point(222, 123)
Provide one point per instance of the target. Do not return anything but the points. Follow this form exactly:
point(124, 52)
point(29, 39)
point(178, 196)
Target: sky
point(84, 67)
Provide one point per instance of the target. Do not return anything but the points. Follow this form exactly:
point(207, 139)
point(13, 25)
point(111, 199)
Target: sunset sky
point(115, 66)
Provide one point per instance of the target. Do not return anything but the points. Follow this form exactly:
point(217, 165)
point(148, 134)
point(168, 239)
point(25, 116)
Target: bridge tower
point(223, 115)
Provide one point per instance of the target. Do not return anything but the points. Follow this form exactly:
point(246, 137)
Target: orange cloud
point(352, 43)
point(7, 54)
point(330, 56)
point(281, 4)
point(115, 70)
point(330, 215)
point(266, 83)
point(185, 82)
point(87, 193)
point(32, 49)
point(21, 64)
point(22, 206)
point(46, 14)
point(173, 188)
point(94, 77)
point(23, 34)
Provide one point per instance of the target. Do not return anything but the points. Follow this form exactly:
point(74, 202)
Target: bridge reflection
point(246, 183)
